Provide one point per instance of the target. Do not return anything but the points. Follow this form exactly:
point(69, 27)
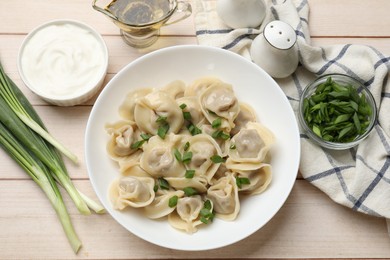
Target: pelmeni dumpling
point(203, 147)
point(160, 206)
point(199, 183)
point(219, 101)
point(122, 135)
point(132, 191)
point(252, 144)
point(175, 89)
point(247, 114)
point(224, 195)
point(199, 85)
point(222, 143)
point(187, 214)
point(126, 109)
point(259, 179)
point(158, 157)
point(132, 168)
point(193, 107)
point(155, 105)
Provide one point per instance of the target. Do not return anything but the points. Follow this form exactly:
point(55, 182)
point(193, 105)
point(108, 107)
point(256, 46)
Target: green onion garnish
point(163, 183)
point(177, 155)
point(182, 106)
point(190, 174)
point(189, 191)
point(187, 157)
point(137, 144)
point(217, 159)
point(163, 130)
point(187, 116)
point(336, 112)
point(216, 123)
point(242, 180)
point(173, 201)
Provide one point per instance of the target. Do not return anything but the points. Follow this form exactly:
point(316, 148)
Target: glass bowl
point(344, 120)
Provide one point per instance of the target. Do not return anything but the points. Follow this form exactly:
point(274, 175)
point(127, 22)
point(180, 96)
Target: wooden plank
point(309, 225)
point(364, 18)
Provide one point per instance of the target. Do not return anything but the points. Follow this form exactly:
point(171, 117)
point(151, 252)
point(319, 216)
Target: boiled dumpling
point(223, 143)
point(126, 109)
point(132, 168)
point(203, 147)
point(247, 114)
point(132, 191)
point(122, 135)
point(160, 206)
point(192, 106)
point(199, 183)
point(158, 157)
point(259, 179)
point(224, 195)
point(219, 101)
point(200, 85)
point(175, 89)
point(251, 144)
point(155, 109)
point(187, 214)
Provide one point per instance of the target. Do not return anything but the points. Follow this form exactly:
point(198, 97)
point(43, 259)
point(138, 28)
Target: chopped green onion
point(189, 191)
point(190, 174)
point(187, 157)
point(137, 144)
point(217, 159)
point(187, 115)
point(182, 106)
point(163, 130)
point(242, 180)
point(233, 146)
point(216, 123)
point(161, 119)
point(337, 113)
point(163, 183)
point(186, 146)
point(145, 137)
point(193, 129)
point(220, 134)
point(177, 155)
point(206, 213)
point(173, 201)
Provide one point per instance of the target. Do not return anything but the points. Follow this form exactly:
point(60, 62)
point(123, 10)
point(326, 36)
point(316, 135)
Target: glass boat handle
point(184, 9)
point(97, 8)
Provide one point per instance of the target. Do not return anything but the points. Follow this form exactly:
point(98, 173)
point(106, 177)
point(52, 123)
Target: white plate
point(251, 85)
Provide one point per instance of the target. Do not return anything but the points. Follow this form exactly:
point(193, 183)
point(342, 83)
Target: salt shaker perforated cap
point(280, 35)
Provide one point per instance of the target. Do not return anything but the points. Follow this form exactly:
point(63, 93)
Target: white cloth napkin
point(358, 178)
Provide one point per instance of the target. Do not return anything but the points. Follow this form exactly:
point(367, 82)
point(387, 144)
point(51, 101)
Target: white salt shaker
point(241, 13)
point(275, 49)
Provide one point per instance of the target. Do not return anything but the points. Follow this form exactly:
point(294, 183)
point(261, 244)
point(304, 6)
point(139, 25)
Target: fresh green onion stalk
point(41, 175)
point(39, 155)
point(7, 91)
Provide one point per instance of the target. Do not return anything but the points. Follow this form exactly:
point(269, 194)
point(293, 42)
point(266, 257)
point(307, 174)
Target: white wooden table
point(309, 225)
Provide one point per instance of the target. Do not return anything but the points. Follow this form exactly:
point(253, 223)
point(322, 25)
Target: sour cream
point(63, 59)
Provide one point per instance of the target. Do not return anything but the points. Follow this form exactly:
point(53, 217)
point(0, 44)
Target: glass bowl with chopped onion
point(337, 111)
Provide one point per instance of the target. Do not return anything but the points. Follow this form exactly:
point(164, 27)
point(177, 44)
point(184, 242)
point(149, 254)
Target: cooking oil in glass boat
point(138, 12)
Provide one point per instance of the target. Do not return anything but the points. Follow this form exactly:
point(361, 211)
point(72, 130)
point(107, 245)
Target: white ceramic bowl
point(45, 52)
point(251, 85)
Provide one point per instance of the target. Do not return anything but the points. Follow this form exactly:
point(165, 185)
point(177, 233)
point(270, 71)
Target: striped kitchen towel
point(358, 178)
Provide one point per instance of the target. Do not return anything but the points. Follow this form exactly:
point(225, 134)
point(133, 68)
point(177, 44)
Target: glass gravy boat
point(140, 21)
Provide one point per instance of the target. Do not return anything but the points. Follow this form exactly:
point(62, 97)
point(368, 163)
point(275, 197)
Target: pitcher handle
point(184, 8)
point(97, 8)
